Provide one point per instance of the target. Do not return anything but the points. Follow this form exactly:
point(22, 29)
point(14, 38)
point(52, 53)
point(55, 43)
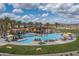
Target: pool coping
point(33, 44)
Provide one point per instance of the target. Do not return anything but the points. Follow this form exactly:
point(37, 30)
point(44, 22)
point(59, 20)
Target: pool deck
point(74, 53)
point(3, 42)
point(36, 44)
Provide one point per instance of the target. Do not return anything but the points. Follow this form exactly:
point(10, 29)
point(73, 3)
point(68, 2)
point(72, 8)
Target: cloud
point(24, 5)
point(65, 10)
point(11, 15)
point(45, 14)
point(17, 11)
point(61, 9)
point(26, 17)
point(2, 7)
point(7, 15)
point(35, 20)
point(44, 20)
point(50, 6)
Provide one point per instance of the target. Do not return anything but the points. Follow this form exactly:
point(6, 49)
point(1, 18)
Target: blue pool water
point(28, 38)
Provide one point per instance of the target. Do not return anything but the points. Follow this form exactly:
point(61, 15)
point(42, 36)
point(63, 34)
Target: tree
point(47, 26)
point(30, 23)
point(56, 24)
point(38, 26)
point(24, 24)
point(19, 23)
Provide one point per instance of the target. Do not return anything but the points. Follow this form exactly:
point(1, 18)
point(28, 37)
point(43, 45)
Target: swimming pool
point(29, 38)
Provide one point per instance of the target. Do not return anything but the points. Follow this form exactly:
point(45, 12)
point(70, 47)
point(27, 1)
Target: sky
point(67, 13)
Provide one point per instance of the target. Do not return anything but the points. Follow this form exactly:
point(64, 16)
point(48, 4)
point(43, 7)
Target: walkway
point(48, 43)
point(3, 42)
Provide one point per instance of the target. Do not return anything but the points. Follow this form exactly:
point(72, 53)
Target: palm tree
point(56, 24)
point(2, 28)
point(47, 26)
point(40, 27)
point(24, 24)
point(12, 24)
point(30, 25)
point(19, 23)
point(6, 23)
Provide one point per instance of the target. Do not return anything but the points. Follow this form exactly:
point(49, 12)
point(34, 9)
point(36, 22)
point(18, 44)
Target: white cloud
point(50, 6)
point(17, 11)
point(2, 7)
point(65, 10)
point(24, 5)
point(42, 7)
point(43, 19)
point(7, 15)
point(45, 14)
point(26, 17)
point(62, 9)
point(11, 15)
point(35, 20)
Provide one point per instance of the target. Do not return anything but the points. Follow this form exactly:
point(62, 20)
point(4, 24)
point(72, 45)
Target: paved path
point(6, 54)
point(3, 42)
point(48, 43)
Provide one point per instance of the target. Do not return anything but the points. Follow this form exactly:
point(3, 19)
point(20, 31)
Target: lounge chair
point(51, 40)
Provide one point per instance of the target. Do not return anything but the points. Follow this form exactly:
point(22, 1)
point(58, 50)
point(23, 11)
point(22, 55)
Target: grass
point(31, 50)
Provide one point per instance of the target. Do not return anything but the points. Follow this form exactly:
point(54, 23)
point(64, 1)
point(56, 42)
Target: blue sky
point(41, 12)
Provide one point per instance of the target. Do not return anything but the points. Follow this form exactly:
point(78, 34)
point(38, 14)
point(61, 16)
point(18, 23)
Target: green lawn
point(31, 50)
